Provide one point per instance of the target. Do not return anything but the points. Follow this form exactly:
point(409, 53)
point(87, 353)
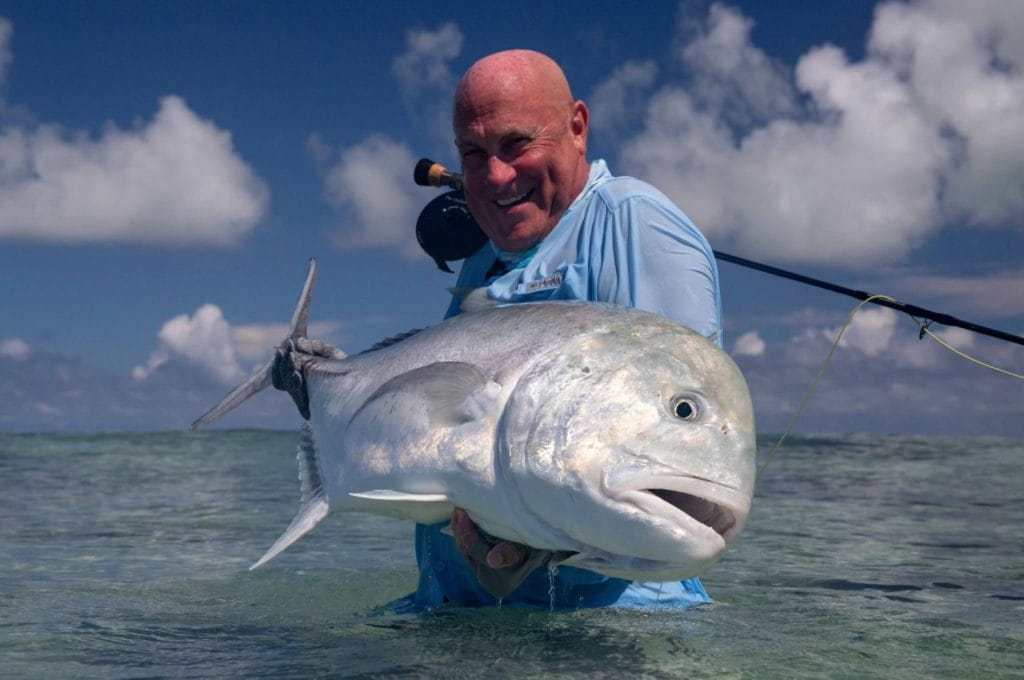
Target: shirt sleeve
point(653, 258)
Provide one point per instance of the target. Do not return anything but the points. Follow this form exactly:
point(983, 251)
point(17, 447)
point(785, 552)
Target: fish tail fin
point(300, 317)
point(314, 506)
point(262, 379)
point(257, 382)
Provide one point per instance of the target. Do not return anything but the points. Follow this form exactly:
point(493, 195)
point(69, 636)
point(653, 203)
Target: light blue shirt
point(620, 241)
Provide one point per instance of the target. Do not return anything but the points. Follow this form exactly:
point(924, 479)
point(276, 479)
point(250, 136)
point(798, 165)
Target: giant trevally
point(604, 437)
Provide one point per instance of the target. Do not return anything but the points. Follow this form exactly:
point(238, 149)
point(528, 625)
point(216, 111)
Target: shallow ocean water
point(126, 555)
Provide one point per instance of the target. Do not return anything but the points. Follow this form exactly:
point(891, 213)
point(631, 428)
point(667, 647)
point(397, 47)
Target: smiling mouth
point(514, 201)
point(713, 515)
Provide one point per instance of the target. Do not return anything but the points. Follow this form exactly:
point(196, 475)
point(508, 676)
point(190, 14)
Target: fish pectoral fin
point(400, 496)
point(425, 508)
point(450, 392)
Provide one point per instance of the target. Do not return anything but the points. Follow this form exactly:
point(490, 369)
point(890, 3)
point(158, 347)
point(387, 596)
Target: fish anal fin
point(309, 516)
point(314, 506)
point(310, 476)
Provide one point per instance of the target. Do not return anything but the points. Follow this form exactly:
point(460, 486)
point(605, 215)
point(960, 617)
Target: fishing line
point(963, 355)
point(924, 330)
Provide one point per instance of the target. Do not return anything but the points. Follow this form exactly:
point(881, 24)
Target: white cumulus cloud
point(15, 348)
point(370, 183)
point(254, 342)
point(371, 187)
point(176, 180)
point(965, 62)
point(749, 344)
point(840, 161)
point(426, 81)
point(870, 331)
point(611, 104)
point(959, 338)
point(425, 62)
point(202, 341)
point(207, 342)
point(731, 75)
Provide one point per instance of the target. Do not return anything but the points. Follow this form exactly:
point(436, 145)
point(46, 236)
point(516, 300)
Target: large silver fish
point(604, 437)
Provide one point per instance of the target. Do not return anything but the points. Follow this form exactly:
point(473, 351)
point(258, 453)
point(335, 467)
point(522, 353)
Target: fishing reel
point(445, 228)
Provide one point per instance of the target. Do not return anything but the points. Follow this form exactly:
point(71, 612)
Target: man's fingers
point(505, 554)
point(475, 546)
point(464, 530)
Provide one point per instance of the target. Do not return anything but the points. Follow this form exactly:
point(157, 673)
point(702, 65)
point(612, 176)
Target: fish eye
point(685, 408)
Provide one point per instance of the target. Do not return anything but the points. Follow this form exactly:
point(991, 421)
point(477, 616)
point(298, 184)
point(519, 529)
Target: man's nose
point(499, 172)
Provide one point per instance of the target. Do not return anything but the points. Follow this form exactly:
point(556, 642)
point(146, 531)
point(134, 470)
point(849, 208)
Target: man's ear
point(579, 124)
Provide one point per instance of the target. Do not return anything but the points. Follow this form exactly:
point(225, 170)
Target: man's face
point(523, 163)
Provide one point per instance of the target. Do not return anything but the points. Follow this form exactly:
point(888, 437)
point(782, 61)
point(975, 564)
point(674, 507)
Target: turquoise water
point(126, 556)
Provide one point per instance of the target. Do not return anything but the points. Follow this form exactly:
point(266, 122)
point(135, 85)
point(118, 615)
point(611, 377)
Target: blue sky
point(166, 169)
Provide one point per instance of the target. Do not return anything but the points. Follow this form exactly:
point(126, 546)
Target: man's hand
point(480, 552)
point(500, 565)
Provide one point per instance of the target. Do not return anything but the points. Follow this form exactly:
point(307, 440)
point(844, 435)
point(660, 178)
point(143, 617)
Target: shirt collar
point(598, 173)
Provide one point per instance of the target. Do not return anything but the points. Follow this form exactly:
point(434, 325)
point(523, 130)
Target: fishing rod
point(447, 232)
point(912, 310)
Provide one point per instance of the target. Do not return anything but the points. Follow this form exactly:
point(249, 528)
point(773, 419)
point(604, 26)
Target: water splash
point(552, 573)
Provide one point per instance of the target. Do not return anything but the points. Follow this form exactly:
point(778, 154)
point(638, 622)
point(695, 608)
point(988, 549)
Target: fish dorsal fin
point(450, 392)
point(314, 505)
point(392, 340)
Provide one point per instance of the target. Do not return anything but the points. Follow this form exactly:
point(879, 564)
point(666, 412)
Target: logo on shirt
point(547, 283)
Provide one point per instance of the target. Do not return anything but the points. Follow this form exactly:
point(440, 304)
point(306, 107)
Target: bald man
point(559, 228)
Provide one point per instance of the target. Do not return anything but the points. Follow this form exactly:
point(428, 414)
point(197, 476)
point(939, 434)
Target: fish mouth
point(714, 515)
point(716, 511)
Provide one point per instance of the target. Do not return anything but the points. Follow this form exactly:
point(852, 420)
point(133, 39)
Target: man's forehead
point(470, 125)
point(497, 126)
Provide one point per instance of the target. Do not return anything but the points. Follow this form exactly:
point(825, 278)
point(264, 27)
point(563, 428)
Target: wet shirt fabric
point(621, 241)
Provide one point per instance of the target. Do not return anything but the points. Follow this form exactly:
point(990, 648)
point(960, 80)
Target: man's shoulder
point(618, 190)
point(623, 205)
